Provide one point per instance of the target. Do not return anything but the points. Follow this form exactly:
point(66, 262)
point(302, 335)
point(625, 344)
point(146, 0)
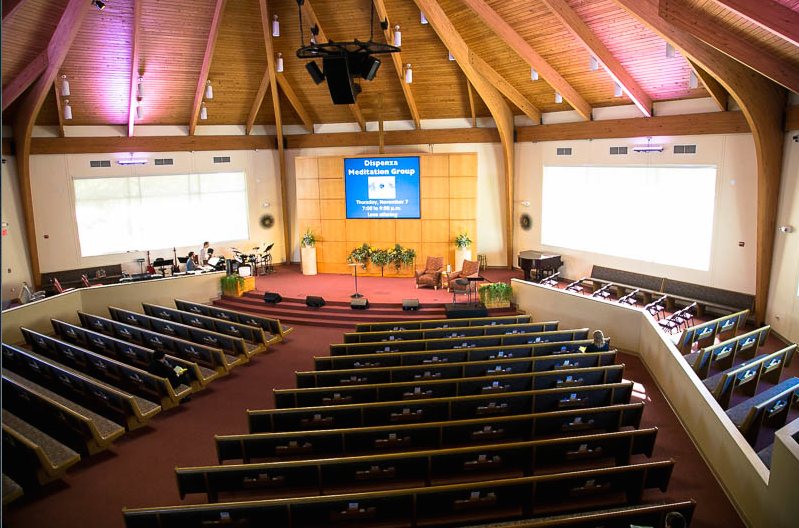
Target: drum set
point(258, 263)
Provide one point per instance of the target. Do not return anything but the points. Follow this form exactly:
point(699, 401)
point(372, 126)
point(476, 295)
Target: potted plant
point(401, 258)
point(232, 285)
point(308, 253)
point(462, 250)
point(496, 295)
point(380, 257)
point(361, 255)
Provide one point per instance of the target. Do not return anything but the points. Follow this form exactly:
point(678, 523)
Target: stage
point(385, 295)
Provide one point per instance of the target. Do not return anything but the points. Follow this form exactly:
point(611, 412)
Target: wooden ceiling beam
point(763, 105)
point(59, 110)
point(517, 43)
point(396, 58)
point(123, 144)
point(485, 86)
point(310, 18)
point(305, 117)
point(792, 118)
point(25, 78)
point(768, 14)
point(266, 24)
point(256, 104)
point(10, 7)
point(207, 58)
point(589, 40)
point(704, 28)
point(57, 48)
point(501, 84)
point(714, 88)
point(134, 65)
point(471, 102)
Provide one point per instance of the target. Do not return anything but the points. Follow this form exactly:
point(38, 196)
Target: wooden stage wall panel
point(448, 189)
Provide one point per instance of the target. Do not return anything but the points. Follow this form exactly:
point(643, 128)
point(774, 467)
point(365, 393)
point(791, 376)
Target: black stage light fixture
point(315, 73)
point(98, 4)
point(365, 65)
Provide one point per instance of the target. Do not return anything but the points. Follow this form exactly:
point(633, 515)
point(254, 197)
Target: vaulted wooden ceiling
point(173, 38)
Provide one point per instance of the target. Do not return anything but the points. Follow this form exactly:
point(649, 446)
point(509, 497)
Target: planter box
point(248, 285)
point(499, 304)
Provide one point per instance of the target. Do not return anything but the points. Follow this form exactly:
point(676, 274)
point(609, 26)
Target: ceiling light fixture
point(64, 86)
point(279, 62)
point(533, 74)
point(594, 64)
point(139, 111)
point(617, 90)
point(648, 147)
point(450, 56)
point(209, 90)
point(669, 50)
point(203, 112)
point(132, 161)
point(67, 110)
point(397, 36)
point(98, 4)
point(140, 88)
point(408, 74)
point(275, 27)
point(558, 98)
point(693, 81)
point(424, 20)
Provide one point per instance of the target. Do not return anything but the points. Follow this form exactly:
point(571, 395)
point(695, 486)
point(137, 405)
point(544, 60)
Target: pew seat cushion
point(11, 490)
point(738, 413)
point(58, 454)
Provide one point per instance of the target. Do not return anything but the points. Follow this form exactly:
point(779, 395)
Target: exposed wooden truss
point(295, 102)
point(57, 95)
point(134, 64)
point(10, 7)
point(768, 14)
point(471, 102)
point(256, 104)
point(526, 52)
point(584, 35)
point(28, 76)
point(209, 54)
point(716, 90)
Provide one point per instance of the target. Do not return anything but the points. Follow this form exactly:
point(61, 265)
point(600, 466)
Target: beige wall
point(54, 208)
point(783, 308)
point(731, 267)
point(16, 264)
point(764, 499)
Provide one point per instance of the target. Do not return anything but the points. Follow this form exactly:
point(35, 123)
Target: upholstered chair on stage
point(470, 267)
point(431, 274)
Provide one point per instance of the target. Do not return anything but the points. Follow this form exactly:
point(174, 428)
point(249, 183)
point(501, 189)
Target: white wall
point(16, 263)
point(54, 209)
point(731, 267)
point(782, 312)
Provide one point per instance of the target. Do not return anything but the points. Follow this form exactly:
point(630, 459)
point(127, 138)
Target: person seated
point(674, 520)
point(177, 376)
point(190, 264)
point(600, 344)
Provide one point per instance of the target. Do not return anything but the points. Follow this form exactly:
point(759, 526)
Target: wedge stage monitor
point(382, 187)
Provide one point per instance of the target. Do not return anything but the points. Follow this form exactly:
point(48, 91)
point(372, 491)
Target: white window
point(656, 214)
point(122, 214)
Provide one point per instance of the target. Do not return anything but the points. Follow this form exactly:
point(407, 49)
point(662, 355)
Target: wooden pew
point(415, 390)
point(11, 490)
point(458, 342)
point(434, 435)
point(442, 323)
point(253, 336)
point(31, 456)
point(770, 406)
point(82, 429)
point(120, 375)
point(234, 346)
point(467, 502)
point(723, 354)
point(271, 326)
point(749, 373)
point(417, 468)
point(707, 332)
point(129, 353)
point(395, 358)
point(132, 410)
point(210, 357)
point(467, 369)
point(471, 331)
point(438, 409)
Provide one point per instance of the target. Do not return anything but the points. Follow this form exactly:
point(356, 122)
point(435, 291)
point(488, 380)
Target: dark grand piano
point(542, 263)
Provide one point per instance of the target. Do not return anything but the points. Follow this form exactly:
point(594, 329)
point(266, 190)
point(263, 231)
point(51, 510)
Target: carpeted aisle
point(139, 470)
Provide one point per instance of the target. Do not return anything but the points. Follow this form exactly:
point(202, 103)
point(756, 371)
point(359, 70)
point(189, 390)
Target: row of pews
point(460, 427)
point(72, 392)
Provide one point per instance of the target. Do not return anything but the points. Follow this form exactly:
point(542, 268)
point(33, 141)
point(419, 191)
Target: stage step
point(336, 314)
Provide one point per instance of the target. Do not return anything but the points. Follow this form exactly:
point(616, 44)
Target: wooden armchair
point(470, 267)
point(431, 274)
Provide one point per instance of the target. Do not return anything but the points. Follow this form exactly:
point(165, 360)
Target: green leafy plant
point(308, 239)
point(400, 256)
point(463, 241)
point(380, 257)
point(361, 255)
point(231, 284)
point(408, 256)
point(495, 293)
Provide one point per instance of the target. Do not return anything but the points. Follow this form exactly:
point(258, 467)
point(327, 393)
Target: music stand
point(268, 259)
point(161, 263)
point(355, 295)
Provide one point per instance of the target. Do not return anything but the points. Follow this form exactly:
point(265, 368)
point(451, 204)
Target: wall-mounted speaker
point(267, 221)
point(525, 222)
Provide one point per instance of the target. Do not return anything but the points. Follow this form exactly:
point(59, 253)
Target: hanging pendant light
point(616, 90)
point(203, 112)
point(408, 74)
point(279, 62)
point(140, 88)
point(67, 110)
point(594, 64)
point(397, 36)
point(669, 50)
point(64, 86)
point(209, 90)
point(451, 57)
point(275, 27)
point(139, 111)
point(693, 81)
point(533, 74)
point(424, 20)
point(558, 98)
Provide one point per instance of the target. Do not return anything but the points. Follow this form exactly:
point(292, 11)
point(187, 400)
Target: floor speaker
point(272, 297)
point(410, 304)
point(361, 303)
point(314, 302)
